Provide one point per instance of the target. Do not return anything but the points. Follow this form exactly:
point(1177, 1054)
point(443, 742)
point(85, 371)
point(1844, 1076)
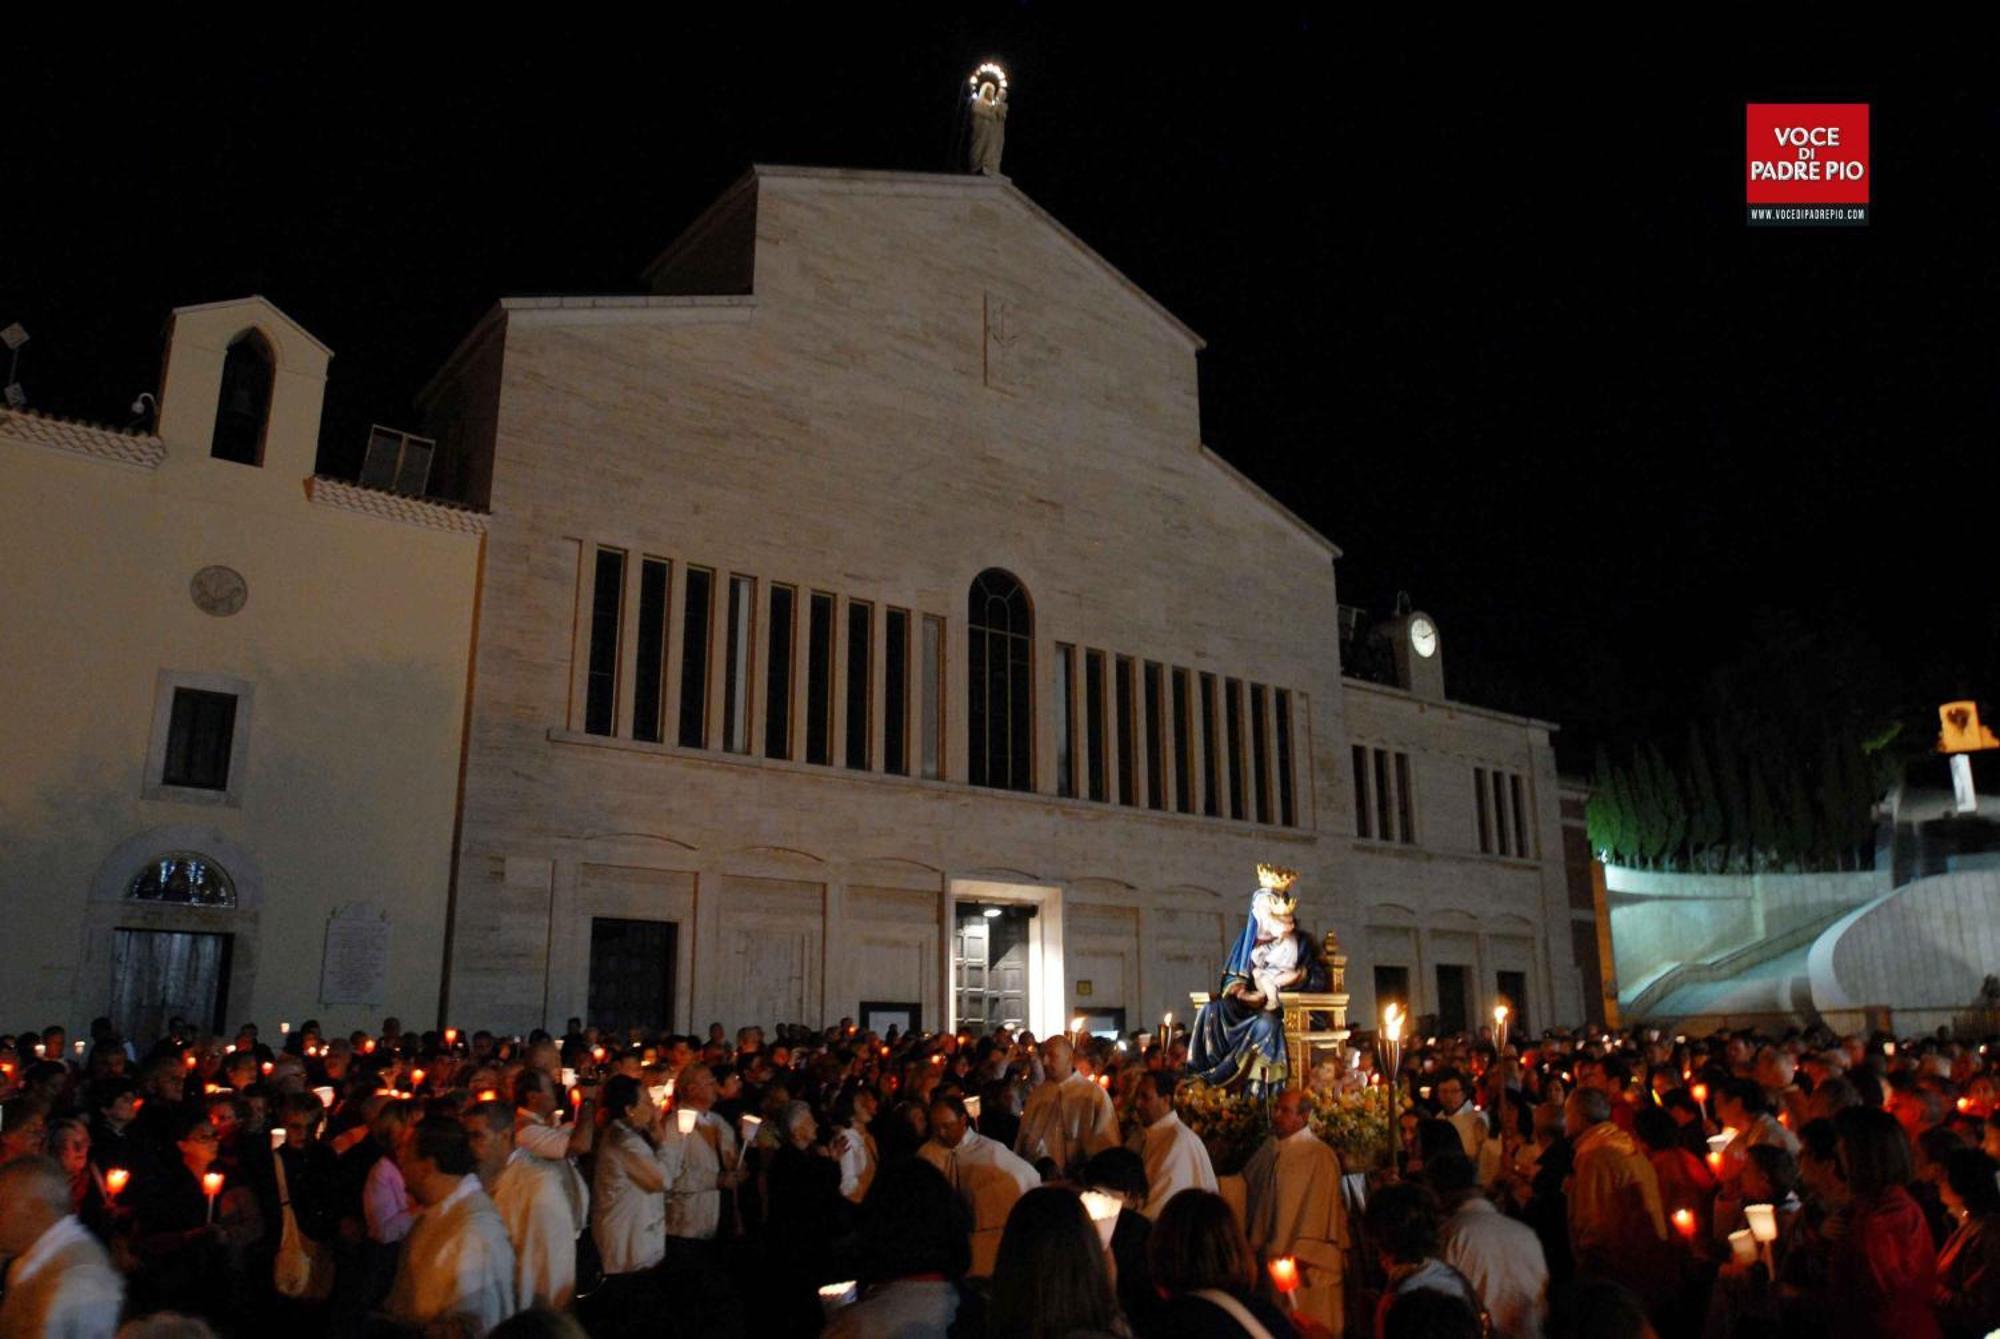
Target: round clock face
point(1423, 636)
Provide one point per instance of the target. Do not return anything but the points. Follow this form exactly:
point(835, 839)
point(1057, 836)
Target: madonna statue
point(1239, 1035)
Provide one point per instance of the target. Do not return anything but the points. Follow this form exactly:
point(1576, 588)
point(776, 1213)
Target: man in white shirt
point(60, 1282)
point(534, 1206)
point(1455, 1105)
point(457, 1261)
point(1175, 1157)
point(982, 1173)
point(1294, 1207)
point(701, 1163)
point(1501, 1258)
point(854, 1146)
point(1068, 1117)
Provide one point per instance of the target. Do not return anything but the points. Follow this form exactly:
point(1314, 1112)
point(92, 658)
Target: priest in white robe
point(1068, 1117)
point(1174, 1155)
point(1294, 1208)
point(59, 1280)
point(457, 1261)
point(700, 1162)
point(534, 1205)
point(981, 1172)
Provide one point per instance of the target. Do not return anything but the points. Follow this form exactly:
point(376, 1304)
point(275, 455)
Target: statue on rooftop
point(989, 118)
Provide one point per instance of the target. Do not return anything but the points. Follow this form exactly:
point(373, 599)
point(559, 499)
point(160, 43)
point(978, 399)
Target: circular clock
point(1423, 636)
point(218, 590)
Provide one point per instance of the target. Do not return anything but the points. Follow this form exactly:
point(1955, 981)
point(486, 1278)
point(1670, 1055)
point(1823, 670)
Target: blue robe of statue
point(1233, 1041)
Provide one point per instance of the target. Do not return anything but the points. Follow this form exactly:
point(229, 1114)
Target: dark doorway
point(157, 975)
point(632, 974)
point(1451, 998)
point(1392, 985)
point(1514, 994)
point(989, 966)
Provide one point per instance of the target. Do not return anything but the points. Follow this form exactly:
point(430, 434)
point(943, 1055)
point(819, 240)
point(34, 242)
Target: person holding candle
point(188, 1243)
point(1968, 1287)
point(1294, 1207)
point(1207, 1276)
point(59, 1280)
point(1068, 1117)
point(534, 1206)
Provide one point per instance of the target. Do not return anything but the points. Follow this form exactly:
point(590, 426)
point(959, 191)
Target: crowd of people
point(835, 1181)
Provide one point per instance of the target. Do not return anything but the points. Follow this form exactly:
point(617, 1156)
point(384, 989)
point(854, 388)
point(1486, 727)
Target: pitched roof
point(142, 449)
point(430, 513)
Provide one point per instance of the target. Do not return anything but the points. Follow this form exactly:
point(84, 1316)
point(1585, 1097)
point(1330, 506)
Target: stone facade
point(137, 565)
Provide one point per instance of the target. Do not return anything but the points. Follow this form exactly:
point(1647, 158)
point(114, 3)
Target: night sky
point(1490, 320)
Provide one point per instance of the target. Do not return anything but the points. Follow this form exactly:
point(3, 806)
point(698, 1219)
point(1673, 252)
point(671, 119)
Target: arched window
point(187, 878)
point(1000, 718)
point(244, 408)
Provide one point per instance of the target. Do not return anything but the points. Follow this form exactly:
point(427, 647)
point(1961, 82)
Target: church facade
point(865, 631)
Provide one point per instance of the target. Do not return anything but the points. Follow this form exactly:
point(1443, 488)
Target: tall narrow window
point(1183, 758)
point(1406, 808)
point(931, 727)
point(696, 616)
point(778, 675)
point(1093, 723)
point(607, 602)
point(1364, 824)
point(999, 720)
point(1156, 733)
point(1384, 799)
point(1260, 750)
point(1065, 720)
point(860, 683)
point(1521, 847)
point(1482, 805)
point(896, 692)
point(819, 679)
point(1211, 789)
point(201, 733)
point(650, 660)
point(1288, 813)
point(736, 665)
point(1232, 720)
point(244, 410)
point(1501, 831)
point(1128, 735)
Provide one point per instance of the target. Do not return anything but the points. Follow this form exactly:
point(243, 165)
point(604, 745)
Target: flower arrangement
point(1354, 1124)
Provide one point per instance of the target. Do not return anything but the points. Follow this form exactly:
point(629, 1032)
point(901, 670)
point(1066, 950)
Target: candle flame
point(1285, 1274)
point(115, 1179)
point(211, 1184)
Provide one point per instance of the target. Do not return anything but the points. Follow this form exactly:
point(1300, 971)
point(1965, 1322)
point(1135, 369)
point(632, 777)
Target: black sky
point(1479, 305)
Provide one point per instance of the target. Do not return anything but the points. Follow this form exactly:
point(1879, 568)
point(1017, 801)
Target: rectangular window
point(1287, 808)
point(860, 683)
point(1211, 789)
point(896, 692)
point(650, 661)
point(695, 620)
point(819, 679)
point(1500, 829)
point(1406, 831)
point(1364, 825)
point(1232, 720)
point(1128, 734)
point(1384, 799)
point(607, 603)
point(1183, 757)
point(778, 674)
point(1485, 814)
point(1065, 720)
point(1521, 847)
point(1260, 751)
point(1156, 753)
point(736, 665)
point(932, 724)
point(200, 734)
point(1093, 723)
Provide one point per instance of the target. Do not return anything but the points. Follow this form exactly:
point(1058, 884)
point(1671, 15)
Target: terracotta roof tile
point(142, 449)
point(432, 513)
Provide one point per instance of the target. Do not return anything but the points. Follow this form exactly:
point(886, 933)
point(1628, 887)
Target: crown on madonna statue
point(1277, 881)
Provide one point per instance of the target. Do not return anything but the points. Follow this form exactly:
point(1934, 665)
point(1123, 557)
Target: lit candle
point(1888, 1048)
point(597, 1054)
point(451, 1036)
point(1285, 1277)
point(1684, 1223)
point(368, 1046)
point(268, 1067)
point(79, 1048)
point(1743, 1246)
point(972, 1108)
point(1103, 1211)
point(115, 1179)
point(325, 1096)
point(1076, 1030)
point(1763, 1221)
point(284, 1029)
point(833, 1296)
point(575, 1098)
point(687, 1118)
point(749, 1127)
point(40, 1050)
point(1500, 1023)
point(190, 1059)
point(416, 1078)
point(488, 1095)
point(1965, 1104)
point(1700, 1093)
point(211, 1186)
point(1715, 1162)
point(277, 1139)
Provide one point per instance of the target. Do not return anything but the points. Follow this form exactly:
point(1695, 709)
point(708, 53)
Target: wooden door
point(157, 975)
